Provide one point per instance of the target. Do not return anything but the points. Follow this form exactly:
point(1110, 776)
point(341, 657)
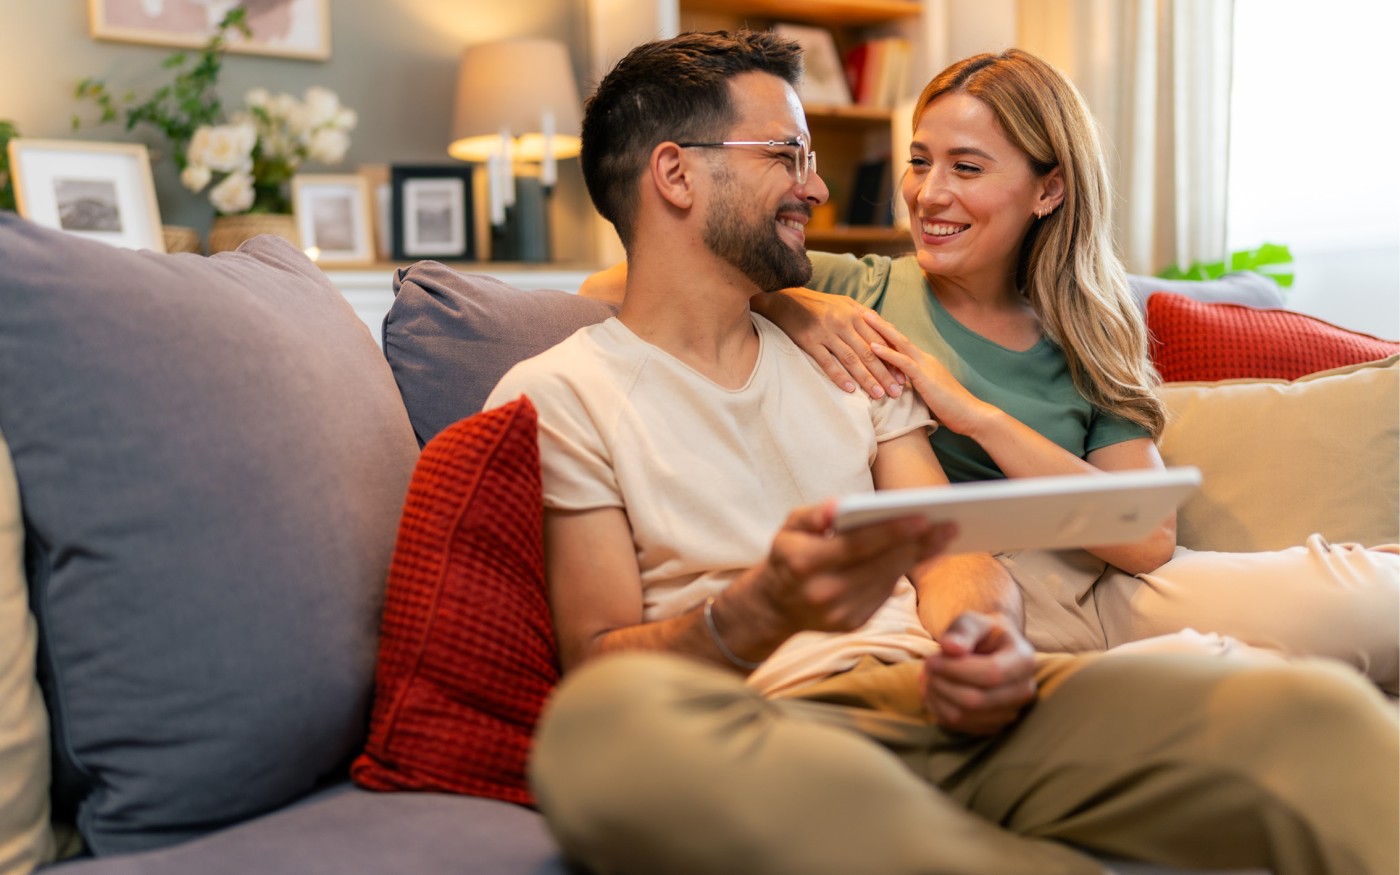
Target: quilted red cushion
point(1193, 340)
point(466, 650)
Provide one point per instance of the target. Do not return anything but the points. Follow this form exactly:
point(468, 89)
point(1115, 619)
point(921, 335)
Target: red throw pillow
point(466, 651)
point(1194, 340)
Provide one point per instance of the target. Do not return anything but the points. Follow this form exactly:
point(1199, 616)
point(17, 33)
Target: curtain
point(1156, 75)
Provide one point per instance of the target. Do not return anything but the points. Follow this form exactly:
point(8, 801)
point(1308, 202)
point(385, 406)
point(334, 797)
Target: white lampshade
point(522, 87)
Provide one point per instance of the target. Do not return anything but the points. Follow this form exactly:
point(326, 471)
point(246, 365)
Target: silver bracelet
point(719, 643)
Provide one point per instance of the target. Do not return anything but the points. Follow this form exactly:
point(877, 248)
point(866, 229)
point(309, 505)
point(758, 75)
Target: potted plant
point(247, 160)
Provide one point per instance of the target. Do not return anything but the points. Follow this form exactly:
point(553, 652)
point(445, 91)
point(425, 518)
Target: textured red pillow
point(1193, 340)
point(466, 650)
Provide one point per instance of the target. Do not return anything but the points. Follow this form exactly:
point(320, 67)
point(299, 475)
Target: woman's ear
point(1052, 192)
point(670, 175)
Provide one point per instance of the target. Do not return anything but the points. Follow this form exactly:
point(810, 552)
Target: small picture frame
point(432, 212)
point(334, 218)
point(380, 197)
point(280, 28)
point(102, 191)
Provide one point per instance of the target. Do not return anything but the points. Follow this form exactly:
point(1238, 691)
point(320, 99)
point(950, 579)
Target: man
point(815, 725)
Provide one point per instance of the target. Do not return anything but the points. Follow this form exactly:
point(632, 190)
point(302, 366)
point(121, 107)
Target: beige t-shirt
point(707, 475)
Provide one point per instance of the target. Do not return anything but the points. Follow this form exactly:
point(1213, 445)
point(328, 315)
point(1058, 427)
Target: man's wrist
point(718, 640)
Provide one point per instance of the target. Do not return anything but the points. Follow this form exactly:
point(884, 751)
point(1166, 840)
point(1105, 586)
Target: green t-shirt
point(1033, 386)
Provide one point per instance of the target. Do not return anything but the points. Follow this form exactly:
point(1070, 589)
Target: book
point(872, 194)
point(853, 64)
point(823, 77)
point(877, 71)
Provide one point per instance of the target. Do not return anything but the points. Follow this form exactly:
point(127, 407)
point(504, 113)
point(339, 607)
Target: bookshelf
point(844, 137)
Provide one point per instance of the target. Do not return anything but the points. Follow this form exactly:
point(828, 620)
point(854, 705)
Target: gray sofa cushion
point(450, 336)
point(1240, 287)
point(212, 457)
point(356, 831)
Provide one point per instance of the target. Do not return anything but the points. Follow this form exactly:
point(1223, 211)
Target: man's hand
point(819, 580)
point(982, 678)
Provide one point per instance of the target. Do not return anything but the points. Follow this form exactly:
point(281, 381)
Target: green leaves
point(8, 132)
point(1273, 260)
point(177, 109)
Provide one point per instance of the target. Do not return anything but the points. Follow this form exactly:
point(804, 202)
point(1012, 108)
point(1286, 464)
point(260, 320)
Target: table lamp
point(517, 109)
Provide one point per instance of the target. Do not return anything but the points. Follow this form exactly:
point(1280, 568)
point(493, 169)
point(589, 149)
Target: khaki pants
point(1332, 600)
point(651, 764)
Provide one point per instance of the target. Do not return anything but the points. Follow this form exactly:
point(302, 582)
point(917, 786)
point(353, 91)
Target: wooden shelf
point(860, 115)
point(845, 137)
point(832, 13)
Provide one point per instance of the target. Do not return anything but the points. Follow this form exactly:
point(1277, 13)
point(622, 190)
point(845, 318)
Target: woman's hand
point(952, 405)
point(833, 331)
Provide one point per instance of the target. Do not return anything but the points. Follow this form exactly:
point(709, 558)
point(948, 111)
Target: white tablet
point(1044, 513)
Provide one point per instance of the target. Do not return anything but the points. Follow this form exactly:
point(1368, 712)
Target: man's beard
point(755, 248)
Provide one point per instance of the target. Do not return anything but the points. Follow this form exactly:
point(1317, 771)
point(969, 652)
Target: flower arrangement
point(251, 159)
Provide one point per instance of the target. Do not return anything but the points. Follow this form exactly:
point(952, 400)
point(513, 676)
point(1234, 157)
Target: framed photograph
point(380, 199)
point(283, 28)
point(432, 212)
point(102, 191)
point(334, 218)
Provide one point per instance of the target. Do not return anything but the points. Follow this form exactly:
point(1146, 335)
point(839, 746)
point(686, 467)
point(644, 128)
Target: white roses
point(259, 149)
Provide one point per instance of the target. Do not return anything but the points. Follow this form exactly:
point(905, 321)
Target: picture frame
point(334, 218)
point(432, 216)
point(280, 28)
point(380, 197)
point(102, 191)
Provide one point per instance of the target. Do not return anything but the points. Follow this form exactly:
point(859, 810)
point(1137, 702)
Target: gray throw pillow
point(450, 336)
point(1240, 287)
point(212, 457)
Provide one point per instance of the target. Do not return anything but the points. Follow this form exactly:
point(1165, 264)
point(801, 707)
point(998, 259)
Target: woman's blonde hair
point(1068, 269)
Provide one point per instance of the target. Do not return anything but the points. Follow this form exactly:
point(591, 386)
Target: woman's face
point(971, 193)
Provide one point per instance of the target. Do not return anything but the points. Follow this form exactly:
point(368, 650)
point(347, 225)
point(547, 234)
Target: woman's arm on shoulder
point(608, 284)
point(829, 328)
point(1021, 451)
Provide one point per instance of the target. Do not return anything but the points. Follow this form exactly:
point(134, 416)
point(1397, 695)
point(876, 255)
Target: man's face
point(758, 211)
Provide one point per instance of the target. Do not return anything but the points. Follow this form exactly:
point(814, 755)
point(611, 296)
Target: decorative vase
point(178, 238)
point(229, 232)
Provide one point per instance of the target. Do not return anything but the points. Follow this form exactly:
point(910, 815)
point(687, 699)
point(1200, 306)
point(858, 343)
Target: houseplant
point(8, 132)
point(247, 160)
point(247, 163)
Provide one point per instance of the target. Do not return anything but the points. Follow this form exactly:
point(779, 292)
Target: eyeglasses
point(804, 165)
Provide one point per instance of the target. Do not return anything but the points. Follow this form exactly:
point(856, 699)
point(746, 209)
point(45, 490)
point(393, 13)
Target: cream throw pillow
point(25, 839)
point(1283, 459)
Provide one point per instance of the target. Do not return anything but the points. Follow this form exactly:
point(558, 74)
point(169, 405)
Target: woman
point(1015, 323)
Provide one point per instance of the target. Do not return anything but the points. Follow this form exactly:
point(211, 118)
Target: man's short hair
point(675, 89)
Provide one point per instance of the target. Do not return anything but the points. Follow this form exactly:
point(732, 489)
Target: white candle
point(496, 197)
point(507, 169)
point(548, 172)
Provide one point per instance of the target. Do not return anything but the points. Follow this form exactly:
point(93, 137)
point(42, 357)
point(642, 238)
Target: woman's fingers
point(888, 333)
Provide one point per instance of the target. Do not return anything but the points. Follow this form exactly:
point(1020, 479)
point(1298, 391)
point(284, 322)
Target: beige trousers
point(649, 764)
point(1338, 601)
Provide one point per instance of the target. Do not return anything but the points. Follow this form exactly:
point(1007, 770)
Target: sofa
point(271, 596)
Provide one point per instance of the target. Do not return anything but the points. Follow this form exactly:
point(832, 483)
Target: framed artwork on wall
point(431, 208)
point(283, 28)
point(102, 191)
point(334, 217)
